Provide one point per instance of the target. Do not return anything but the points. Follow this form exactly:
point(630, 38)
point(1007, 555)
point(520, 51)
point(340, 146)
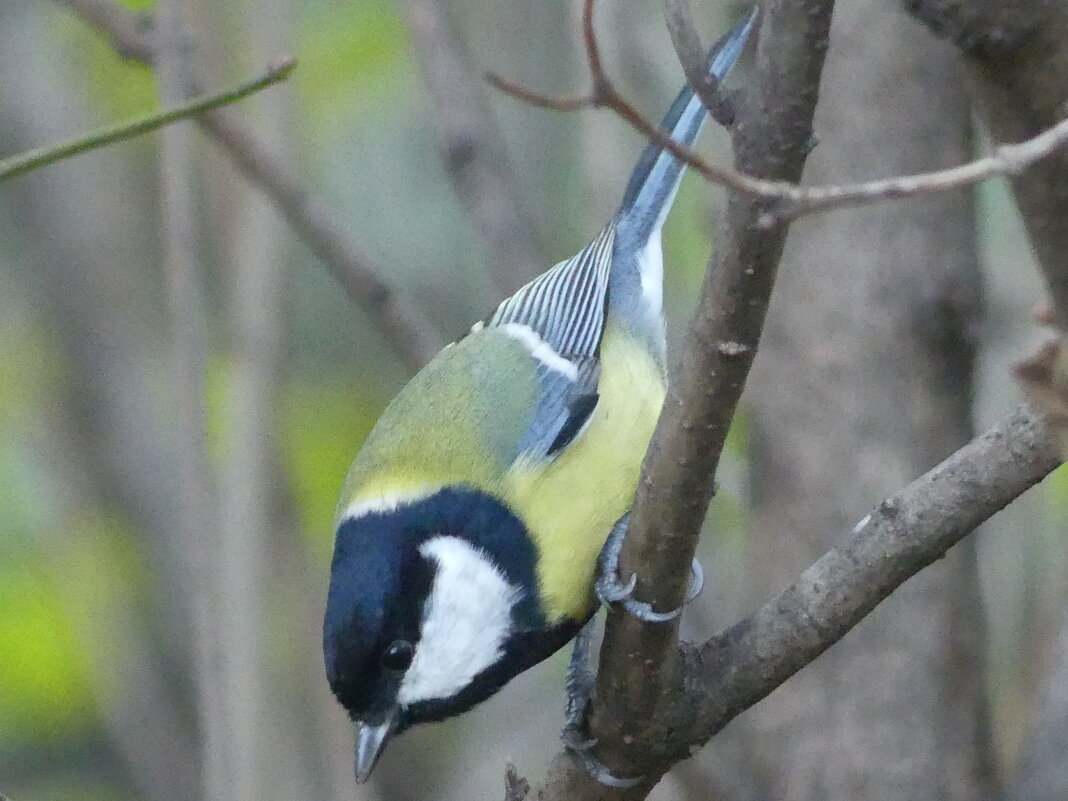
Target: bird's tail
point(656, 177)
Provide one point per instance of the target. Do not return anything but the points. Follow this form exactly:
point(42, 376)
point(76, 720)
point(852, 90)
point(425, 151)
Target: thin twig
point(120, 132)
point(406, 325)
point(691, 54)
point(788, 201)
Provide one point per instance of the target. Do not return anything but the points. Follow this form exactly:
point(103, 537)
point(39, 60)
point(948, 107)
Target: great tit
point(469, 526)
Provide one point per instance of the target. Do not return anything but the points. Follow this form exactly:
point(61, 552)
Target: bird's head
point(426, 600)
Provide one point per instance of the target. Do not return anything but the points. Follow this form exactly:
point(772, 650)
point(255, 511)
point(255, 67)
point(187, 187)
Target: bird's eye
point(398, 655)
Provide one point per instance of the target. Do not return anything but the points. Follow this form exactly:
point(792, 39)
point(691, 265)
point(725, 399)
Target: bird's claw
point(610, 590)
point(575, 740)
point(579, 687)
point(579, 680)
point(598, 772)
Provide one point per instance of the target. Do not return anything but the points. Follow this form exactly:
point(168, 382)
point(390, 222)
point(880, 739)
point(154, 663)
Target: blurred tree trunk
point(864, 381)
point(1042, 774)
point(87, 262)
point(1016, 55)
point(252, 243)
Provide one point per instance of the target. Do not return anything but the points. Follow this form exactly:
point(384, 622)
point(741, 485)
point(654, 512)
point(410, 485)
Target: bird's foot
point(578, 684)
point(597, 771)
point(611, 590)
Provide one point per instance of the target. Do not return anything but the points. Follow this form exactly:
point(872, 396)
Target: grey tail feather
point(656, 176)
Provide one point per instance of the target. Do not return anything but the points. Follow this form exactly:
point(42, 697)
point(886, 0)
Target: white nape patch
point(651, 270)
point(540, 349)
point(385, 503)
point(465, 621)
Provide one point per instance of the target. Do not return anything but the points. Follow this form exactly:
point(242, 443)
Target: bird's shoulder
point(458, 421)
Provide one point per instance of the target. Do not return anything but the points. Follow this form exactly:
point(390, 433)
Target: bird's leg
point(578, 684)
point(611, 590)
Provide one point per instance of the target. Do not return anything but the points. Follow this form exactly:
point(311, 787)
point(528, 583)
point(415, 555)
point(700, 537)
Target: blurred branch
point(408, 328)
point(120, 132)
point(982, 28)
point(472, 149)
point(902, 535)
point(132, 34)
point(1017, 57)
point(786, 200)
point(195, 485)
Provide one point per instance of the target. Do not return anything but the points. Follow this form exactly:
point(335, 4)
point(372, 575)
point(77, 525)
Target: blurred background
point(100, 590)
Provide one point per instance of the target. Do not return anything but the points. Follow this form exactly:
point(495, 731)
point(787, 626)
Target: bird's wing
point(559, 317)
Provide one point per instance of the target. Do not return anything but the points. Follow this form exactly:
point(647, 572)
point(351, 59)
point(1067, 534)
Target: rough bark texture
point(864, 381)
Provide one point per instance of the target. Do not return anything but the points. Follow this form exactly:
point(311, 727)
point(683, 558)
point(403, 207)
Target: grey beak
point(370, 741)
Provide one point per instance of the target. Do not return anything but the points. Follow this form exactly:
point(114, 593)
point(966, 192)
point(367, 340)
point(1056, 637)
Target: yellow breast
point(570, 507)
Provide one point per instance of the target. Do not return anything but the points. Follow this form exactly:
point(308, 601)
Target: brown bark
point(864, 380)
point(638, 664)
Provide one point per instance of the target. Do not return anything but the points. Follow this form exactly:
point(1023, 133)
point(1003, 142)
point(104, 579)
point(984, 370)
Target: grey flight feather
point(637, 263)
point(565, 309)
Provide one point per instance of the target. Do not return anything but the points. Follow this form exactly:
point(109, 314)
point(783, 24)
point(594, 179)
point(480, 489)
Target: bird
point(470, 526)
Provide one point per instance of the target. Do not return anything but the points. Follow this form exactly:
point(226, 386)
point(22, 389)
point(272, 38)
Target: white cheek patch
point(466, 620)
point(541, 350)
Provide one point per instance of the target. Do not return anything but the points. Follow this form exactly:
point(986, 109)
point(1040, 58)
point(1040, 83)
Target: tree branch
point(405, 324)
point(983, 28)
point(902, 535)
point(120, 132)
point(472, 149)
point(691, 54)
point(1017, 58)
point(722, 677)
point(771, 136)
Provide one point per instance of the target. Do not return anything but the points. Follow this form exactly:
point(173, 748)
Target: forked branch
point(784, 200)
